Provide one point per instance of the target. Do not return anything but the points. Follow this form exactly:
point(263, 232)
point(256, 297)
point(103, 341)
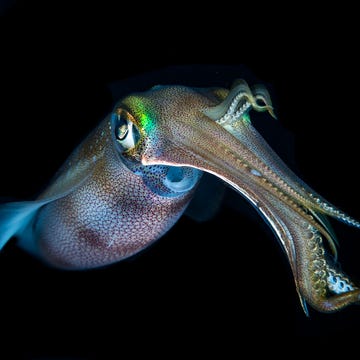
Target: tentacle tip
point(272, 113)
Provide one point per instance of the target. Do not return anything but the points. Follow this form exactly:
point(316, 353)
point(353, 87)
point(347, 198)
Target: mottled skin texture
point(111, 199)
point(110, 216)
point(105, 221)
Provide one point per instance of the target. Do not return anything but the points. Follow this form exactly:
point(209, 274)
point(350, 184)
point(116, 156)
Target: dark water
point(202, 283)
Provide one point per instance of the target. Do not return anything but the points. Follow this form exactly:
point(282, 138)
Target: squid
point(136, 173)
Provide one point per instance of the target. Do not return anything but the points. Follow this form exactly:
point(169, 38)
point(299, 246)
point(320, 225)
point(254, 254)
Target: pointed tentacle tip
point(338, 293)
point(341, 301)
point(262, 100)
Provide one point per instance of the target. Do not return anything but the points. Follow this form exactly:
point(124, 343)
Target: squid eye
point(126, 133)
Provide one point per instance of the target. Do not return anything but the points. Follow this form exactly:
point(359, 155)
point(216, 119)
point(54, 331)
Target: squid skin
point(134, 175)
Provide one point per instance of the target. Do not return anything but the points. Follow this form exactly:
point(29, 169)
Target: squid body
point(133, 176)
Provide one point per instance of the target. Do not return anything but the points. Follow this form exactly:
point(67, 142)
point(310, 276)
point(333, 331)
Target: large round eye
point(126, 133)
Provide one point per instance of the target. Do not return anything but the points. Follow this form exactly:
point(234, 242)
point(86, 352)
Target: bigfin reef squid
point(135, 174)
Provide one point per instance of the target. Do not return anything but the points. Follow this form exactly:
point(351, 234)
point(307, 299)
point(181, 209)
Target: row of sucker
point(233, 116)
point(325, 278)
point(232, 113)
point(283, 196)
point(334, 211)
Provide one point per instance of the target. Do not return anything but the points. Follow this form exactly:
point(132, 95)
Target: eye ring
point(126, 132)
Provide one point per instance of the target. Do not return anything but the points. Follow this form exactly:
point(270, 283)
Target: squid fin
point(14, 217)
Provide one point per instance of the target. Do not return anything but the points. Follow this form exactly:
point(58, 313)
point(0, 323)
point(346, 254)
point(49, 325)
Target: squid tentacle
point(234, 118)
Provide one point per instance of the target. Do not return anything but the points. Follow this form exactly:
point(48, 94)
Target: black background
point(202, 284)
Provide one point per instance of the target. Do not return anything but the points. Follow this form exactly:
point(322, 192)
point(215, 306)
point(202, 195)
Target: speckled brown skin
point(110, 215)
point(107, 213)
point(100, 208)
